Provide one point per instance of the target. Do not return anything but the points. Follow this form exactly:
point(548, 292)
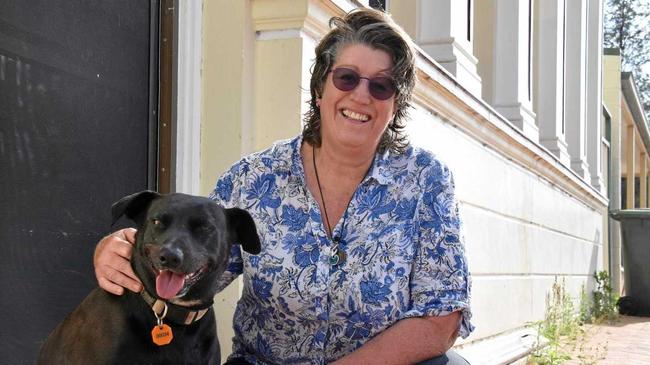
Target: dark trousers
point(448, 358)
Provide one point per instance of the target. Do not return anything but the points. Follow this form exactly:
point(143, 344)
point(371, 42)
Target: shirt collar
point(379, 170)
point(297, 169)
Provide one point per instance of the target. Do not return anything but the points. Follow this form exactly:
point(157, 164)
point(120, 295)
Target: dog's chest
point(191, 344)
point(196, 343)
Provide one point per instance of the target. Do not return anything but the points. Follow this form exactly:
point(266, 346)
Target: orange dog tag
point(162, 335)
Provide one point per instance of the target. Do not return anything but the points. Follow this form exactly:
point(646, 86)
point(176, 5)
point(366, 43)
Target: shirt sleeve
point(227, 194)
point(440, 281)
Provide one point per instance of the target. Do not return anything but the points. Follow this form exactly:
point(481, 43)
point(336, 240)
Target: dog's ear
point(243, 230)
point(133, 206)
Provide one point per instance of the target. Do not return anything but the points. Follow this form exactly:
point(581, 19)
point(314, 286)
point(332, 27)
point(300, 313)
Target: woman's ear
point(318, 102)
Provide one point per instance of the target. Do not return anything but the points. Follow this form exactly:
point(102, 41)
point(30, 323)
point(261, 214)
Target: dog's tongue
point(168, 284)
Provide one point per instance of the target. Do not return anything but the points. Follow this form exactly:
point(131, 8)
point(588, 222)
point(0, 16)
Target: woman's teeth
point(354, 115)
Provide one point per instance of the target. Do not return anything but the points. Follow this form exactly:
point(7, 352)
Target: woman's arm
point(407, 342)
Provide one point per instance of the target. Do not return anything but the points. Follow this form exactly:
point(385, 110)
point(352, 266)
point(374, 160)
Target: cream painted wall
point(227, 114)
point(612, 86)
point(612, 96)
point(278, 96)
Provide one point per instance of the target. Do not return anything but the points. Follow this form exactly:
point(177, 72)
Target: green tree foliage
point(626, 28)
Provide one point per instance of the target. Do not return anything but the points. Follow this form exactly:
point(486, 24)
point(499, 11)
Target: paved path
point(626, 342)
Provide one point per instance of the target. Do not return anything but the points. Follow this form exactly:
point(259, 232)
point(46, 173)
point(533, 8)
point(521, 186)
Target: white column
point(512, 76)
point(444, 31)
point(188, 97)
point(575, 85)
point(595, 92)
point(549, 76)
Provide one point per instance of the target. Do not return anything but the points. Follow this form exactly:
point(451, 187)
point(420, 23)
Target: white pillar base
point(558, 147)
point(598, 183)
point(522, 117)
point(581, 167)
point(455, 59)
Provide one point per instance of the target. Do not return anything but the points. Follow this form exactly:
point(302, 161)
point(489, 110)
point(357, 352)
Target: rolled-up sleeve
point(440, 281)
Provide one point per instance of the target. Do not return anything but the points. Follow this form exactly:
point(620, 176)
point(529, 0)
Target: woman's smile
point(360, 117)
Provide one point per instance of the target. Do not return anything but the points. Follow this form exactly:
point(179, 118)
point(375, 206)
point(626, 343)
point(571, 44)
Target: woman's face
point(356, 119)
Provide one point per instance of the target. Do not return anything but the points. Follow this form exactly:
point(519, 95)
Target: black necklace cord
point(338, 255)
point(320, 190)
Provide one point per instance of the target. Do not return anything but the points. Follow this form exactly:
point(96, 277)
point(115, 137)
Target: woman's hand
point(112, 262)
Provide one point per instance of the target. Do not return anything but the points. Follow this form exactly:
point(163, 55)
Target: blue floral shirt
point(400, 235)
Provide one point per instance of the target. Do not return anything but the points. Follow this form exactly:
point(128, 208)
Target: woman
point(362, 260)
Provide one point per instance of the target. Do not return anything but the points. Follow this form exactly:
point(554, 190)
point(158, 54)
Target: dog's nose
point(170, 257)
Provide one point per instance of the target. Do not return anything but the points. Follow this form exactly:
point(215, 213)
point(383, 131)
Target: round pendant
point(337, 258)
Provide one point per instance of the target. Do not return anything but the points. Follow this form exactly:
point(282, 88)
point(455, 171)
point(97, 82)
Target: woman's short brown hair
point(378, 31)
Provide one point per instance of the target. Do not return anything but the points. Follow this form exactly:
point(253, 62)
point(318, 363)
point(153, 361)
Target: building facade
point(509, 95)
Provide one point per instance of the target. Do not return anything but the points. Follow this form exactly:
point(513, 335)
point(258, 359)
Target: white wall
point(521, 232)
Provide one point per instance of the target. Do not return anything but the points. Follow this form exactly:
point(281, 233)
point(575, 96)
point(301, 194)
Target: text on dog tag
point(162, 335)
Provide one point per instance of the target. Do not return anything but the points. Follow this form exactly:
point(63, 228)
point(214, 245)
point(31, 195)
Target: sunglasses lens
point(345, 79)
point(381, 88)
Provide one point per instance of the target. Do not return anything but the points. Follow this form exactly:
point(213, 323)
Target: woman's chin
point(357, 142)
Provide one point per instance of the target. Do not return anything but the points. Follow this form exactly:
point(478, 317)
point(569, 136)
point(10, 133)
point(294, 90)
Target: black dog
point(182, 248)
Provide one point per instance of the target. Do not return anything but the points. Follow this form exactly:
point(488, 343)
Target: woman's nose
point(361, 93)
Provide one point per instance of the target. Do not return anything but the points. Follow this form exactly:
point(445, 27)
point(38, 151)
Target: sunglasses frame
point(371, 81)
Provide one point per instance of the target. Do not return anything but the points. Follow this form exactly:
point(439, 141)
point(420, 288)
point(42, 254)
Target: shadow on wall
point(593, 262)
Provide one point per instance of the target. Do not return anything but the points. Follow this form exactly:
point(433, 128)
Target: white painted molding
point(575, 86)
point(548, 79)
point(504, 348)
point(442, 32)
point(189, 56)
point(595, 92)
point(510, 66)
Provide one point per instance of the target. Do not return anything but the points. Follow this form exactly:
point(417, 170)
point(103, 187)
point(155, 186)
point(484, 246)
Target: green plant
point(560, 325)
point(563, 327)
point(584, 312)
point(560, 318)
point(604, 299)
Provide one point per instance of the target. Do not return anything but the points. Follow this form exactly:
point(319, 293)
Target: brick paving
point(626, 342)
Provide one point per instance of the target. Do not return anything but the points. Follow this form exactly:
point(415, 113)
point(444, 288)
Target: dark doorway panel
point(78, 95)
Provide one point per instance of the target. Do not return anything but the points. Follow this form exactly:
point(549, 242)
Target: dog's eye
point(200, 226)
point(156, 222)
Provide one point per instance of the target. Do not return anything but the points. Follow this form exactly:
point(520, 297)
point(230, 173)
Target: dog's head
point(183, 242)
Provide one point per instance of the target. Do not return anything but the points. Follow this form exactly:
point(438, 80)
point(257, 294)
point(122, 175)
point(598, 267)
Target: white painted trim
point(188, 101)
point(504, 348)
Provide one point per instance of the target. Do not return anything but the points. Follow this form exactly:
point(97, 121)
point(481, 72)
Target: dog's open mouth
point(170, 284)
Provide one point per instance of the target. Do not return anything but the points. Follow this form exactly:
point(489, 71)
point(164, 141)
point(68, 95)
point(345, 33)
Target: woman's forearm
point(407, 342)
